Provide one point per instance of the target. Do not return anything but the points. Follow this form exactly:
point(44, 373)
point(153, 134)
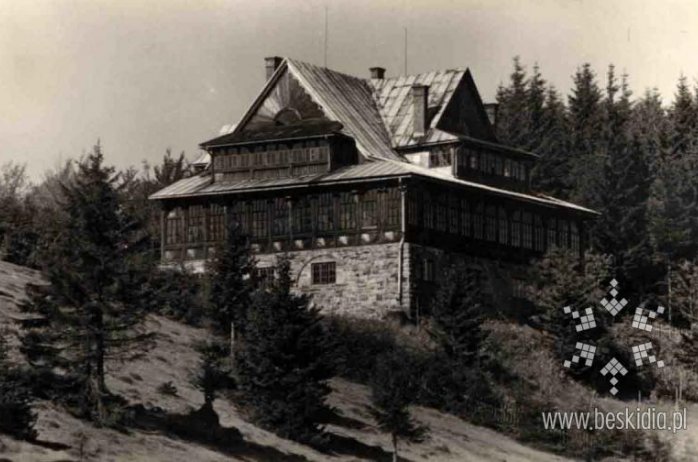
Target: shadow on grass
point(203, 427)
point(343, 445)
point(334, 417)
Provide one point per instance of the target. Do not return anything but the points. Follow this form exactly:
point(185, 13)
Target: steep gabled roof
point(349, 100)
point(343, 98)
point(392, 96)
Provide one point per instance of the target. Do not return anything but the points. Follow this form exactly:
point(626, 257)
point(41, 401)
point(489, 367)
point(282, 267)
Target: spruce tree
point(586, 145)
point(213, 373)
point(513, 121)
point(536, 97)
point(622, 192)
point(232, 282)
point(93, 304)
point(685, 290)
point(552, 171)
point(16, 416)
point(458, 310)
point(683, 121)
point(283, 361)
point(650, 128)
point(393, 390)
point(560, 278)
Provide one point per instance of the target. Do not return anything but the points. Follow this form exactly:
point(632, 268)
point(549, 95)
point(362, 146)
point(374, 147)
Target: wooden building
point(371, 186)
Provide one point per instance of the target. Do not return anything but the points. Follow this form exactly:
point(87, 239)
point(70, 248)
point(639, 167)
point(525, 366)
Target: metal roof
point(201, 185)
point(349, 100)
point(392, 95)
point(306, 129)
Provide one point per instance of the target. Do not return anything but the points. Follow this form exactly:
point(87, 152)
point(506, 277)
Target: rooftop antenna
point(405, 50)
point(326, 32)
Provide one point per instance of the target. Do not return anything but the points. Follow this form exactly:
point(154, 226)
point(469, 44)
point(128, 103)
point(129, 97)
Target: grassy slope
point(173, 359)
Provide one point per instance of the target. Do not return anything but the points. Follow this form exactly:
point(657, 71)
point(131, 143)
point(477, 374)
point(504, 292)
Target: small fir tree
point(213, 373)
point(393, 390)
point(16, 416)
point(232, 270)
point(458, 310)
point(93, 305)
point(283, 361)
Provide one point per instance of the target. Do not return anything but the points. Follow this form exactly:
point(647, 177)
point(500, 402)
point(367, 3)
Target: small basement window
point(324, 273)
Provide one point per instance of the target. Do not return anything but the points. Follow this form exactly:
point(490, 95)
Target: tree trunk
point(232, 340)
point(394, 447)
point(669, 290)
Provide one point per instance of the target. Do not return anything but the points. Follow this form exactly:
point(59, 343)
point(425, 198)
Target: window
point(503, 226)
point(453, 214)
point(324, 273)
point(347, 211)
point(216, 223)
point(516, 228)
point(527, 230)
point(539, 237)
point(393, 206)
point(238, 216)
point(280, 223)
point(369, 219)
point(195, 224)
point(551, 233)
point(563, 233)
point(441, 213)
point(428, 212)
point(477, 221)
point(473, 160)
point(302, 216)
point(574, 236)
point(507, 168)
point(173, 225)
point(260, 219)
point(428, 270)
point(490, 224)
point(413, 211)
point(498, 166)
point(325, 212)
point(264, 275)
point(465, 218)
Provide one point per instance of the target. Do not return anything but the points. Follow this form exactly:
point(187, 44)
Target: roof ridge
point(369, 79)
point(315, 66)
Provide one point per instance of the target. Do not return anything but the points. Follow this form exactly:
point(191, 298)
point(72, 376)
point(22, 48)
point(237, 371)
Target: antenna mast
point(405, 52)
point(326, 32)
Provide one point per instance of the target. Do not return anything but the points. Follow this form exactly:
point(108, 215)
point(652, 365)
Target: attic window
point(287, 116)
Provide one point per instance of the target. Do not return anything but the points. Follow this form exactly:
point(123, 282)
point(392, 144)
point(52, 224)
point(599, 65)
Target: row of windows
point(277, 217)
point(190, 228)
point(271, 158)
point(517, 228)
point(492, 164)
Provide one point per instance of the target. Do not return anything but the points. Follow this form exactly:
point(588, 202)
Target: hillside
point(172, 359)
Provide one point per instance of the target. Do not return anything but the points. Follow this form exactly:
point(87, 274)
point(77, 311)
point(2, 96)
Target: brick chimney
point(420, 98)
point(377, 72)
point(271, 63)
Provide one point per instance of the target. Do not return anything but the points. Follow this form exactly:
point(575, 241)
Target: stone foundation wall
point(366, 279)
point(499, 281)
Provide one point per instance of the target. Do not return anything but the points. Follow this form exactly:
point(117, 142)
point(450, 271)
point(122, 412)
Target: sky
point(143, 76)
